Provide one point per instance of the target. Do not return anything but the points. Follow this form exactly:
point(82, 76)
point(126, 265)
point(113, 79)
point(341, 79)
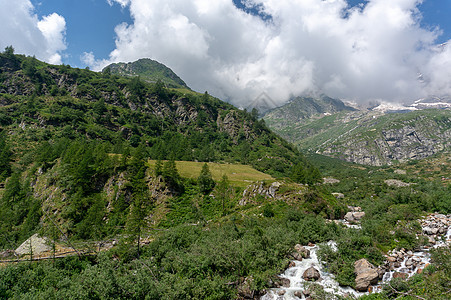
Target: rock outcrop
point(366, 273)
point(311, 274)
point(260, 189)
point(355, 214)
point(35, 245)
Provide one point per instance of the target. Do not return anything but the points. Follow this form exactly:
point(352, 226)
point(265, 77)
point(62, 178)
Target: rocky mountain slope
point(148, 70)
point(75, 146)
point(367, 137)
point(298, 111)
point(39, 99)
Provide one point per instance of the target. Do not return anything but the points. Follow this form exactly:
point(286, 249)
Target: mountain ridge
point(383, 135)
point(148, 70)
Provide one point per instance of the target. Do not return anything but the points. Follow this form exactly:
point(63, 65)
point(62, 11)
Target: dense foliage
point(185, 262)
point(41, 103)
point(74, 166)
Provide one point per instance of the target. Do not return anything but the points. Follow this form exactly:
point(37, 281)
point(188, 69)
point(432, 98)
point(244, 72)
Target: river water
point(411, 264)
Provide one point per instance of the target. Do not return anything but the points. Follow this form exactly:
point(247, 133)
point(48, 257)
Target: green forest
point(90, 158)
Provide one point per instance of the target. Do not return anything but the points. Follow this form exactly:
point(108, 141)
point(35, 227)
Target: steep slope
point(75, 148)
point(372, 137)
point(59, 101)
point(384, 139)
point(287, 119)
point(148, 70)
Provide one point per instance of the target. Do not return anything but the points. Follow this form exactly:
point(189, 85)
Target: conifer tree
point(223, 192)
point(5, 157)
point(205, 180)
point(170, 173)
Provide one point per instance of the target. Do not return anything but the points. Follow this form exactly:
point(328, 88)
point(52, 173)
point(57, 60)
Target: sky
point(363, 51)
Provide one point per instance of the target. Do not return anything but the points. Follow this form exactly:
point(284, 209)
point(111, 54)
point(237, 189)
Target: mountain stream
point(399, 263)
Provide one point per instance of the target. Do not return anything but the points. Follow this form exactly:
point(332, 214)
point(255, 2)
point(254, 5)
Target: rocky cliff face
point(371, 137)
point(420, 137)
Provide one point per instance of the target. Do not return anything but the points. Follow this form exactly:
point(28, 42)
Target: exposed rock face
point(330, 180)
point(34, 245)
point(311, 274)
point(367, 137)
point(396, 183)
point(420, 138)
point(261, 189)
point(233, 125)
point(305, 253)
point(354, 216)
point(366, 275)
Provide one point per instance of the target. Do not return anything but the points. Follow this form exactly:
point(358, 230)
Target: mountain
point(383, 135)
point(91, 192)
point(183, 125)
point(287, 119)
point(82, 136)
point(148, 70)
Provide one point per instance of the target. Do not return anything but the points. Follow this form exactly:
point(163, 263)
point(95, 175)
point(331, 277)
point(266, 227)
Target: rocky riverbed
point(296, 281)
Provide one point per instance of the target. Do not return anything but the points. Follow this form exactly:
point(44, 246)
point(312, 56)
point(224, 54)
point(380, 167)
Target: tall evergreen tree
point(170, 173)
point(205, 180)
point(223, 192)
point(5, 157)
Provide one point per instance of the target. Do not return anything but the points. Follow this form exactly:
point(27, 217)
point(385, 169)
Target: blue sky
point(90, 25)
point(354, 50)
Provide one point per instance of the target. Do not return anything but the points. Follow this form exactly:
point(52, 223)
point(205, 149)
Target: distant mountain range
point(381, 135)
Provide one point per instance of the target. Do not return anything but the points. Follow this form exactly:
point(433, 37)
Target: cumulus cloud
point(370, 52)
point(21, 28)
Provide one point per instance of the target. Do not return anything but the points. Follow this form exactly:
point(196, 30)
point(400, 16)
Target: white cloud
point(369, 52)
point(88, 58)
point(123, 3)
point(21, 28)
point(53, 27)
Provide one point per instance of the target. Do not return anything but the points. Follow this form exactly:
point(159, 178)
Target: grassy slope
point(237, 174)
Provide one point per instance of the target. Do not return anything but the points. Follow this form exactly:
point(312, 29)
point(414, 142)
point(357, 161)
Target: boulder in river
point(366, 275)
point(311, 274)
point(305, 253)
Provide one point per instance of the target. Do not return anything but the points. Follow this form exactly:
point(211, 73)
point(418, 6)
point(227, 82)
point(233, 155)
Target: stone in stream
point(305, 253)
point(400, 275)
point(299, 294)
point(366, 275)
point(391, 259)
point(296, 255)
point(281, 282)
point(311, 274)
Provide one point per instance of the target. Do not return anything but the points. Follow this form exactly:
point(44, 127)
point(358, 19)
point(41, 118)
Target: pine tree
point(223, 192)
point(5, 157)
point(205, 180)
point(170, 173)
point(158, 168)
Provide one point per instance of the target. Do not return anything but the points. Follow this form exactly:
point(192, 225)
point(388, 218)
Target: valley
point(146, 189)
point(368, 137)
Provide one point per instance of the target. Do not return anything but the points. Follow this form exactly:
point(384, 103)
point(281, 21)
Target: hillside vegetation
point(148, 70)
point(366, 137)
point(169, 194)
point(75, 146)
